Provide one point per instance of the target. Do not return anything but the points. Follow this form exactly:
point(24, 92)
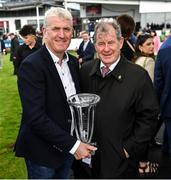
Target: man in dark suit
point(86, 49)
point(166, 43)
point(2, 50)
point(45, 79)
point(162, 79)
point(13, 50)
point(30, 45)
point(126, 115)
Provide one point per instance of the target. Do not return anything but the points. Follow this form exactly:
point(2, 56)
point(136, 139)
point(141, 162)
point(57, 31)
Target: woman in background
point(144, 56)
point(144, 53)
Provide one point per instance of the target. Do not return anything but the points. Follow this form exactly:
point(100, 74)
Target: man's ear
point(121, 42)
point(140, 48)
point(44, 30)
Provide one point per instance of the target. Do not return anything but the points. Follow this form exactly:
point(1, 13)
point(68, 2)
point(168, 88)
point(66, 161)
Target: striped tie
point(105, 71)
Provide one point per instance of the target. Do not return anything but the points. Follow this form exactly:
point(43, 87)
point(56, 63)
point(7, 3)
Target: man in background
point(13, 50)
point(162, 79)
point(2, 50)
point(30, 45)
point(86, 49)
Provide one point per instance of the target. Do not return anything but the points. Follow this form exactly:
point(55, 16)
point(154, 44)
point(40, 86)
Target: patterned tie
point(105, 71)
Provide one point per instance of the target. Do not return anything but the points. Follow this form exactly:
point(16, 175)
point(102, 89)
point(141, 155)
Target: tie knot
point(105, 71)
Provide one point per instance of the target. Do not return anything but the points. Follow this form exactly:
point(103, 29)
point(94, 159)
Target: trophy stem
point(72, 121)
point(92, 123)
point(80, 117)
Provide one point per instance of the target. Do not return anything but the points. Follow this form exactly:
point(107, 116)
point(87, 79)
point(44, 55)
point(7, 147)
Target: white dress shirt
point(85, 45)
point(67, 81)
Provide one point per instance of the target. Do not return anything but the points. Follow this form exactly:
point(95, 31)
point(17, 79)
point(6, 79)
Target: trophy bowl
point(82, 108)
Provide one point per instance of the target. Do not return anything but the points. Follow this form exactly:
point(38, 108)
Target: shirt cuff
point(75, 147)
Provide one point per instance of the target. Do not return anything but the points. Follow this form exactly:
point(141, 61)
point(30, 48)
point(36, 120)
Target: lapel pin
point(119, 77)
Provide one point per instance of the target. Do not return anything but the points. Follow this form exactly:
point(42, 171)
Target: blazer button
point(60, 149)
point(55, 147)
point(69, 120)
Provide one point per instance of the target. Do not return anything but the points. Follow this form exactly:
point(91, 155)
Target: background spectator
point(30, 45)
point(13, 50)
point(156, 40)
point(127, 26)
point(86, 49)
point(162, 79)
point(2, 50)
point(144, 50)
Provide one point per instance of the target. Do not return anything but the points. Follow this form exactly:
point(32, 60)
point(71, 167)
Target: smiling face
point(58, 34)
point(147, 47)
point(108, 46)
point(29, 39)
point(85, 37)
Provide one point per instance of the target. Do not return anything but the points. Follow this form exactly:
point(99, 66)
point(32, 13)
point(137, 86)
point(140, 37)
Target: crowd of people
point(131, 74)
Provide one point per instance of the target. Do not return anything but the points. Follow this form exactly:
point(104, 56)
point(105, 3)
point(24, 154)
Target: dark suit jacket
point(127, 51)
point(44, 135)
point(2, 45)
point(23, 51)
point(162, 80)
point(14, 47)
point(88, 54)
point(125, 117)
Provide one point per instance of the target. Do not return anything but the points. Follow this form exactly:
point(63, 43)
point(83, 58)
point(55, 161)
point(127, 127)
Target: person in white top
point(144, 51)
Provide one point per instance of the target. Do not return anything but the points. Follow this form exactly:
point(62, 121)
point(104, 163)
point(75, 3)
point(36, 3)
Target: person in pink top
point(156, 40)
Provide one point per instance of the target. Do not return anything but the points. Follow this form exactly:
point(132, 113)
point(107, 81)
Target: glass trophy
point(82, 108)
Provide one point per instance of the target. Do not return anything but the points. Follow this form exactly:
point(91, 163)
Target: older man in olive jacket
point(126, 115)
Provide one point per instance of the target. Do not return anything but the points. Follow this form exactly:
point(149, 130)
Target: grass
point(11, 167)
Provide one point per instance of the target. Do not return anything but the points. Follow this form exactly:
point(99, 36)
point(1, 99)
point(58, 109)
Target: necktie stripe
point(105, 71)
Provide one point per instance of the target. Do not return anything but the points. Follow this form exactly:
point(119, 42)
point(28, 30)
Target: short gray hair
point(102, 26)
point(58, 12)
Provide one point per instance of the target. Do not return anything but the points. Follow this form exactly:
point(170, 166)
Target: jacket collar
point(118, 72)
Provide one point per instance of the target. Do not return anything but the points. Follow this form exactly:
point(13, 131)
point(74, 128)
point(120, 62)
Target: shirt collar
point(112, 66)
point(56, 59)
point(86, 41)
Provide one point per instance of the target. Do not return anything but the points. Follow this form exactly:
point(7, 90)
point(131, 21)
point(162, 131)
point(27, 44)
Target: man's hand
point(80, 60)
point(84, 151)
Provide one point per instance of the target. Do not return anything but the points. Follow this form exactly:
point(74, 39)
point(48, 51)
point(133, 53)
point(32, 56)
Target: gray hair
point(102, 26)
point(58, 12)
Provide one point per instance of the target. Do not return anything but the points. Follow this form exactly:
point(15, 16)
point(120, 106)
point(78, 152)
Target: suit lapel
point(118, 74)
point(96, 78)
point(74, 73)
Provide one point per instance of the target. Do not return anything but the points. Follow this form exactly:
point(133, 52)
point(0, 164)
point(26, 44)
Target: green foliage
point(72, 52)
point(11, 167)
